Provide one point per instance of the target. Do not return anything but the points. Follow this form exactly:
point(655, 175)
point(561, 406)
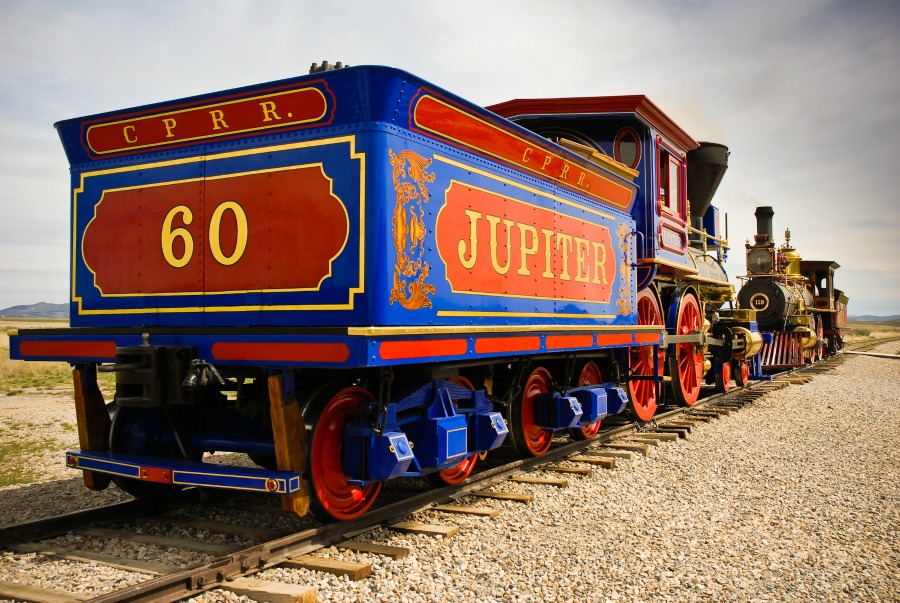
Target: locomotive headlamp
point(759, 261)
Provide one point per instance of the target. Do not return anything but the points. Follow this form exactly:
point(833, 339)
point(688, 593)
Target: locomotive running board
point(186, 473)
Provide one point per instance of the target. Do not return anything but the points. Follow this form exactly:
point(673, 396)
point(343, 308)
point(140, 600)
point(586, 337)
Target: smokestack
point(764, 224)
point(705, 165)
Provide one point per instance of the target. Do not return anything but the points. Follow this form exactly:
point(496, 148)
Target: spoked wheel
point(529, 438)
point(686, 366)
point(741, 373)
point(819, 352)
point(456, 474)
point(144, 432)
point(644, 394)
point(332, 496)
point(590, 375)
point(723, 378)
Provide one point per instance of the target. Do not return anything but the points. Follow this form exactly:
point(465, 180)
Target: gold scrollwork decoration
point(624, 301)
point(411, 271)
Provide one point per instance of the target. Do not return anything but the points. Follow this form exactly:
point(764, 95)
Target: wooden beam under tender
point(93, 422)
point(289, 432)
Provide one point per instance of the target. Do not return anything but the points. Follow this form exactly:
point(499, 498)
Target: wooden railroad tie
point(686, 425)
point(633, 446)
point(710, 414)
point(38, 594)
point(274, 592)
point(354, 570)
point(463, 510)
point(83, 556)
point(513, 496)
point(605, 462)
point(658, 436)
point(192, 544)
point(541, 481)
point(583, 471)
point(428, 529)
point(640, 439)
point(679, 432)
point(610, 453)
point(248, 532)
point(387, 550)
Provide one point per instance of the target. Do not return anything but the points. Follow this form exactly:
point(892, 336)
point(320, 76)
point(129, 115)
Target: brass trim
point(474, 329)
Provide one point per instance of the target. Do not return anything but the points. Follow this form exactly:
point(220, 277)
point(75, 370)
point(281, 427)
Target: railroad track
point(231, 565)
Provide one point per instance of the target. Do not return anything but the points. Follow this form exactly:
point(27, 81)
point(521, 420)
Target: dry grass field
point(37, 414)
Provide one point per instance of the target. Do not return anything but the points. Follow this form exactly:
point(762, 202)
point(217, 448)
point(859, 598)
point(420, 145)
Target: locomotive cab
point(681, 243)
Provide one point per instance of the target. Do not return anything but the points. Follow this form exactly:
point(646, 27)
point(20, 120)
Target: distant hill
point(38, 310)
point(870, 318)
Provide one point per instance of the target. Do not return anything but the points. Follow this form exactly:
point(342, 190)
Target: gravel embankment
point(794, 498)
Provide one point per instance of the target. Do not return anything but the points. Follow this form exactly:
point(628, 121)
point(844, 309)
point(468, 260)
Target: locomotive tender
point(354, 275)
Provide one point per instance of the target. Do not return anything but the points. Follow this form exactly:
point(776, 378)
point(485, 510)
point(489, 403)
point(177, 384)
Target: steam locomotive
point(802, 314)
point(355, 275)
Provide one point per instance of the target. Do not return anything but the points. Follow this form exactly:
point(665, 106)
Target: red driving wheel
point(742, 373)
point(529, 438)
point(644, 394)
point(590, 375)
point(686, 366)
point(332, 496)
point(723, 378)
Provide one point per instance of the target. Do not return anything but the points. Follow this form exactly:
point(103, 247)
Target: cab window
point(670, 183)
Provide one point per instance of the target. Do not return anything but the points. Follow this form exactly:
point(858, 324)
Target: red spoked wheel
point(528, 438)
point(590, 375)
point(686, 366)
point(820, 341)
point(644, 394)
point(723, 378)
point(458, 473)
point(333, 497)
point(741, 373)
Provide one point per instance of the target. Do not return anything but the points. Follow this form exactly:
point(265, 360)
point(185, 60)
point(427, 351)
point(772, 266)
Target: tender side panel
point(215, 240)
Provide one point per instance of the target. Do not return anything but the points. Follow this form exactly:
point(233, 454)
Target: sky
point(806, 95)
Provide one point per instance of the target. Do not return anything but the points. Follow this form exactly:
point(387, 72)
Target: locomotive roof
point(818, 264)
point(637, 104)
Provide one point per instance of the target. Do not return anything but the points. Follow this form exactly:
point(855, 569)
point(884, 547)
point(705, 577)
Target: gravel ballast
point(794, 498)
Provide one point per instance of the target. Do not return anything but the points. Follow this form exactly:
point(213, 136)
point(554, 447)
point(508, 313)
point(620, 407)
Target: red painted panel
point(496, 245)
point(646, 338)
point(439, 117)
point(289, 224)
point(68, 349)
point(422, 348)
point(208, 121)
point(616, 339)
point(280, 352)
point(558, 342)
point(494, 345)
point(156, 474)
